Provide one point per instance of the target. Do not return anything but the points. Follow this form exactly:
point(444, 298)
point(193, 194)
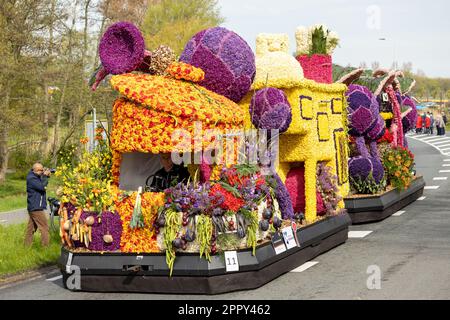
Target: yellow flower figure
point(318, 129)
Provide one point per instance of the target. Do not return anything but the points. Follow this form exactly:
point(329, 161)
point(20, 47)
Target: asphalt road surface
point(411, 250)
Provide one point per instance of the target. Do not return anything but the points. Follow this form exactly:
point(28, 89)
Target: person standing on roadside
point(439, 125)
point(431, 123)
point(424, 120)
point(427, 124)
point(444, 118)
point(37, 181)
point(419, 124)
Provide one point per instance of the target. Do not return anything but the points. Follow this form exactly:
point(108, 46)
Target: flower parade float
point(381, 166)
point(231, 225)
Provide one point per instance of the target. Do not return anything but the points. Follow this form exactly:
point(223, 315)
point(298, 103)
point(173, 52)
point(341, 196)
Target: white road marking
point(431, 187)
point(440, 178)
point(444, 171)
point(443, 145)
point(446, 160)
point(421, 198)
point(446, 165)
point(305, 266)
point(358, 234)
point(441, 142)
point(436, 140)
point(55, 278)
point(398, 214)
point(430, 138)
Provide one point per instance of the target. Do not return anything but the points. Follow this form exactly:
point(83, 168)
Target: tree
point(407, 67)
point(375, 65)
point(125, 10)
point(22, 43)
point(173, 22)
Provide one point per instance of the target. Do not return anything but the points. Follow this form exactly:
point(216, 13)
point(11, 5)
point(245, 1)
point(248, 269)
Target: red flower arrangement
point(317, 67)
point(387, 137)
point(230, 202)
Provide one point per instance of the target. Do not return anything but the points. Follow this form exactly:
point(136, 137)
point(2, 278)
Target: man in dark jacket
point(170, 175)
point(37, 181)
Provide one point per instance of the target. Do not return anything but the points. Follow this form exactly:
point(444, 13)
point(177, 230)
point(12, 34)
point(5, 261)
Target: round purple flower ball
point(363, 110)
point(377, 169)
point(270, 109)
point(227, 60)
point(122, 48)
point(361, 168)
point(377, 132)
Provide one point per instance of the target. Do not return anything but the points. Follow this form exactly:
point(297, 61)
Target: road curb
point(14, 211)
point(13, 280)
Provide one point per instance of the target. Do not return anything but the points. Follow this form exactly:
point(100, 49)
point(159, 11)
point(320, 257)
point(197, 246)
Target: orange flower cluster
point(399, 163)
point(179, 98)
point(139, 240)
point(140, 129)
point(115, 168)
point(84, 140)
point(181, 70)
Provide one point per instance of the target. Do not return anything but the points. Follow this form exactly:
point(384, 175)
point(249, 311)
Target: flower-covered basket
point(317, 67)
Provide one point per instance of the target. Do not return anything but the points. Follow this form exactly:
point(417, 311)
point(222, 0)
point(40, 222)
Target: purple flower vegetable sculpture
point(121, 50)
point(270, 109)
point(226, 59)
point(366, 124)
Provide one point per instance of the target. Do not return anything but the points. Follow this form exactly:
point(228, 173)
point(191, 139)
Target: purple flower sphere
point(363, 110)
point(377, 132)
point(122, 48)
point(377, 169)
point(361, 167)
point(270, 109)
point(227, 60)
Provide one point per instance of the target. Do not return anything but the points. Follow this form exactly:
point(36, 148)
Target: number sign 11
point(231, 261)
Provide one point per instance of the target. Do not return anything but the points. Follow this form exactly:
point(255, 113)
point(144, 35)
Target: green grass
point(11, 203)
point(15, 257)
point(13, 194)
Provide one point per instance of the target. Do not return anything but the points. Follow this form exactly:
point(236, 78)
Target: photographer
point(37, 181)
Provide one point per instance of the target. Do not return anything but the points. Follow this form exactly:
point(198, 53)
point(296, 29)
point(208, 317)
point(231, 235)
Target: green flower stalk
point(137, 220)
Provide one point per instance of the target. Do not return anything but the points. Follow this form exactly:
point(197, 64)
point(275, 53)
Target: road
point(14, 217)
point(412, 250)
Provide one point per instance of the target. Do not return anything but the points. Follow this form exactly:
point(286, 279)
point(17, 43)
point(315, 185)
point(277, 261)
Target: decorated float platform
point(272, 201)
point(120, 272)
point(374, 208)
point(382, 175)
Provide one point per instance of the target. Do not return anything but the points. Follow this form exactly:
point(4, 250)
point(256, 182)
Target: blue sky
point(416, 31)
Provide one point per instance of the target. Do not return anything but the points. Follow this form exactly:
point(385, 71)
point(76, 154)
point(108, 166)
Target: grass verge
point(15, 257)
point(13, 193)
